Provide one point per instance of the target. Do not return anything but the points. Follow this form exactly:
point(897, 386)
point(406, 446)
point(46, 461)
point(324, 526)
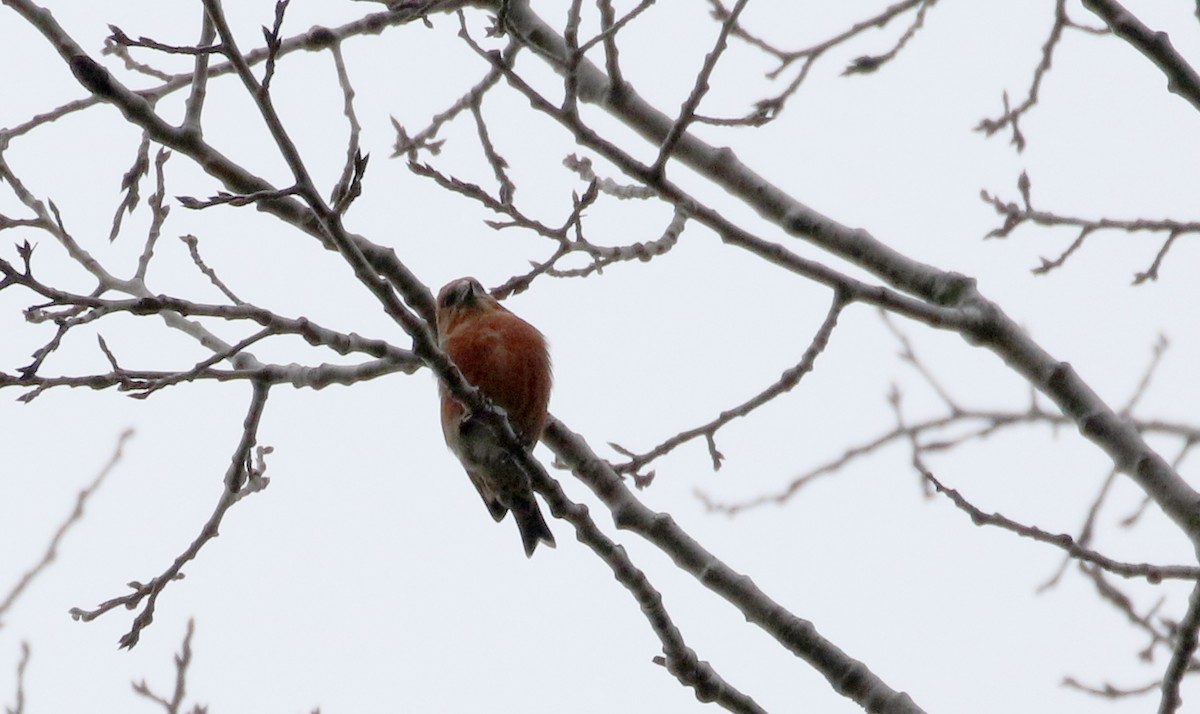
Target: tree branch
point(849, 677)
point(1182, 78)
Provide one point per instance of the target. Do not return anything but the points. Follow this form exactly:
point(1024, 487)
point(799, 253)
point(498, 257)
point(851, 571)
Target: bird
point(507, 359)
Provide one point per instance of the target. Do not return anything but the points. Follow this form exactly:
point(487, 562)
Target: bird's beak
point(463, 293)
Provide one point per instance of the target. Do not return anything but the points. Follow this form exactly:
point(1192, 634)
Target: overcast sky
point(369, 577)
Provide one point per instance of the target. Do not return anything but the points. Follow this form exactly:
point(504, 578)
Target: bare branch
point(570, 103)
point(687, 112)
point(1156, 356)
point(604, 256)
point(316, 39)
point(908, 354)
point(770, 108)
point(158, 212)
point(990, 422)
point(583, 167)
point(56, 540)
point(129, 182)
point(193, 244)
point(946, 288)
point(1181, 657)
point(201, 366)
point(18, 707)
point(182, 661)
point(118, 37)
point(1123, 604)
point(786, 382)
point(1182, 78)
point(1151, 273)
point(199, 83)
point(609, 27)
point(1012, 115)
point(847, 676)
point(1015, 216)
point(272, 42)
point(680, 660)
point(495, 160)
point(224, 198)
point(349, 185)
point(882, 277)
point(423, 140)
point(312, 332)
point(946, 299)
point(1108, 691)
point(1085, 532)
point(1152, 573)
point(243, 478)
point(866, 64)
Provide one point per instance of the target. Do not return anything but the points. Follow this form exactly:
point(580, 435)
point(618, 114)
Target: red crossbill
point(506, 358)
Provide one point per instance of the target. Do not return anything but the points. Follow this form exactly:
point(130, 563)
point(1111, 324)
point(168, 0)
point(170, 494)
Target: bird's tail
point(531, 524)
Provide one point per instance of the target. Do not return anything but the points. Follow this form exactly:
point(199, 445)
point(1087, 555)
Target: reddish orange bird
point(506, 358)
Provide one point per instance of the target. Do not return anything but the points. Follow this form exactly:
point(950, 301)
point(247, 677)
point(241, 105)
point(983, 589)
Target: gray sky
point(368, 576)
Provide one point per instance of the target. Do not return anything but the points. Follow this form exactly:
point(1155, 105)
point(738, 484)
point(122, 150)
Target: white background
point(368, 576)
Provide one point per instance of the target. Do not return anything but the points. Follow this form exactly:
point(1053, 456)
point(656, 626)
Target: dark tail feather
point(497, 509)
point(532, 526)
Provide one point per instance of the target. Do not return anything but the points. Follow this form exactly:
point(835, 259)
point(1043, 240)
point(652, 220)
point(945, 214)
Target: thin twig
point(1182, 78)
point(1152, 573)
point(243, 477)
point(679, 659)
point(1181, 656)
point(770, 108)
point(1016, 215)
point(18, 706)
point(158, 215)
point(193, 244)
point(130, 182)
point(194, 107)
point(849, 677)
point(74, 518)
point(687, 112)
point(182, 661)
point(1012, 115)
point(349, 185)
point(786, 382)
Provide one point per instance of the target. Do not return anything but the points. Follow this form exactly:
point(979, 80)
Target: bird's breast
point(506, 358)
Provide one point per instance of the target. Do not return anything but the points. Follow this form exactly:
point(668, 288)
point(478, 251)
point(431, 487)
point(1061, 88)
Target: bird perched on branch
point(506, 358)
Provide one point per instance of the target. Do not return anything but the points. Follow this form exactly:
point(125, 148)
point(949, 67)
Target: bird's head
point(459, 299)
